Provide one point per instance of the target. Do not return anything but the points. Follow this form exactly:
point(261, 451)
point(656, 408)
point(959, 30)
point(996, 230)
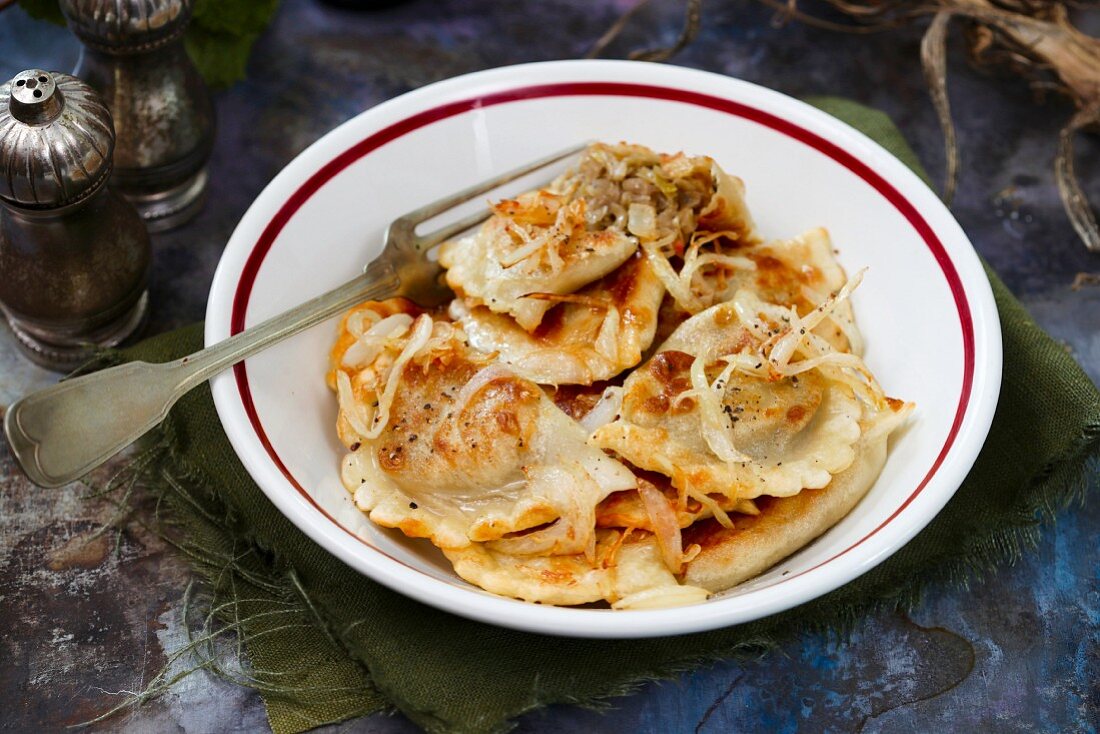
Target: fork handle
point(64, 431)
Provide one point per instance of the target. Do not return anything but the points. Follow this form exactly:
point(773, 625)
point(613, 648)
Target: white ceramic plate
point(925, 306)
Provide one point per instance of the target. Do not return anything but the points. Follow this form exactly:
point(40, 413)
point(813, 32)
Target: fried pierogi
point(587, 223)
point(745, 400)
point(591, 335)
point(447, 444)
point(799, 273)
point(628, 571)
point(534, 245)
point(633, 398)
point(748, 545)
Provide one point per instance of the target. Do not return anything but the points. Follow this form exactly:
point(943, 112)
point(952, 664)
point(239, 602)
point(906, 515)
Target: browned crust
point(784, 525)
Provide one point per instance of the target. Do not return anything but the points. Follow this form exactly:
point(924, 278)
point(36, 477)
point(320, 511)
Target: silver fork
point(62, 432)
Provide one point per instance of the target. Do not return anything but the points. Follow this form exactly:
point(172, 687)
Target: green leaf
point(234, 17)
point(43, 10)
point(220, 57)
point(221, 36)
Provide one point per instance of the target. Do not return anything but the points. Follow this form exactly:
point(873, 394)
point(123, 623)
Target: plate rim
point(971, 424)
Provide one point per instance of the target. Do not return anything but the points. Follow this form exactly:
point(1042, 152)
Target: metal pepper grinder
point(74, 255)
point(164, 120)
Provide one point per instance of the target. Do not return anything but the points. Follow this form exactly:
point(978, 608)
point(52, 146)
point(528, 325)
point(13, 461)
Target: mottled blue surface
point(1016, 652)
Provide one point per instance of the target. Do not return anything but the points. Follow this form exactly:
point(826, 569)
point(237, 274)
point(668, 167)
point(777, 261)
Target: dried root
point(692, 16)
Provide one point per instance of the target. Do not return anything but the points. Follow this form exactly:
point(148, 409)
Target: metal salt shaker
point(164, 120)
point(74, 255)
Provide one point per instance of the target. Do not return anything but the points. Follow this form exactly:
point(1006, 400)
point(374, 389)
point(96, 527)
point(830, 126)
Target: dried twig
point(786, 10)
point(1084, 280)
point(933, 55)
point(687, 35)
point(613, 32)
point(692, 15)
point(1073, 198)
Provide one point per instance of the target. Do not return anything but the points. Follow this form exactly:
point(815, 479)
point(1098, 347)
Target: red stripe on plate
point(613, 89)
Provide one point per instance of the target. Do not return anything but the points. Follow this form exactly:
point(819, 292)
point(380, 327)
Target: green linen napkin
point(325, 643)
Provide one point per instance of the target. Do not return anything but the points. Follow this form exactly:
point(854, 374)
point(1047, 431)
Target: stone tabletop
point(88, 617)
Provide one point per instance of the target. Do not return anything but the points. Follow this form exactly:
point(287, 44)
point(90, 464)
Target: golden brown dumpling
point(588, 336)
point(537, 243)
point(748, 545)
point(628, 572)
point(799, 273)
point(447, 444)
point(745, 400)
point(554, 241)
